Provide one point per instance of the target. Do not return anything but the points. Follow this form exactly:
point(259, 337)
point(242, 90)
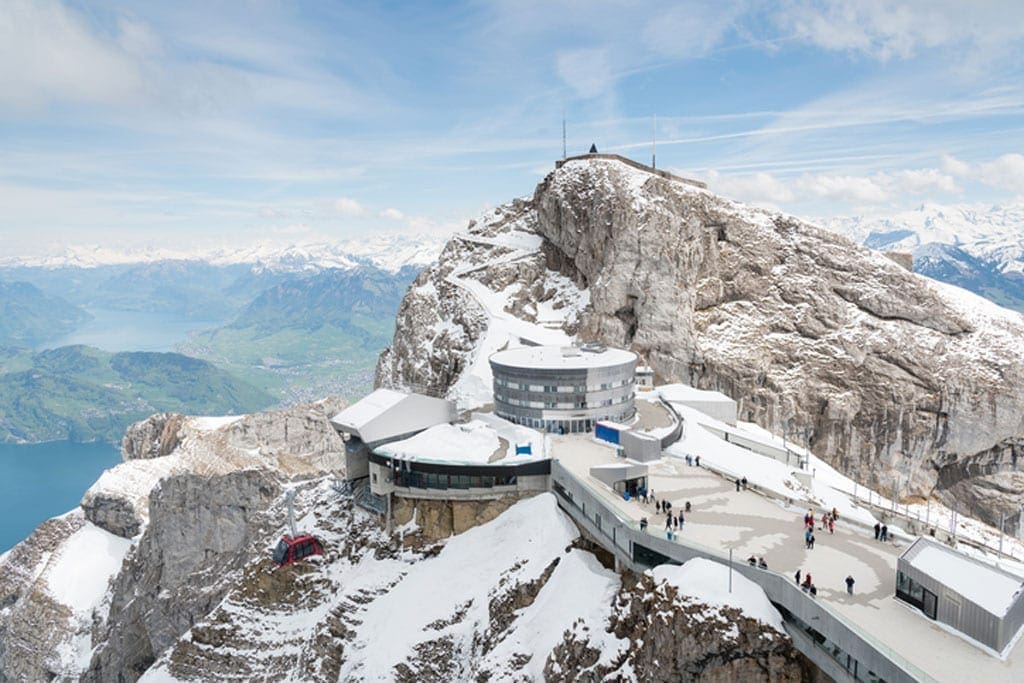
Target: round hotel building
point(564, 388)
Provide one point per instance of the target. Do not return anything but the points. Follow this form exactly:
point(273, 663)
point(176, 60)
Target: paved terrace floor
point(752, 524)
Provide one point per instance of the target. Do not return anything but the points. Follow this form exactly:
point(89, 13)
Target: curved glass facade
point(565, 400)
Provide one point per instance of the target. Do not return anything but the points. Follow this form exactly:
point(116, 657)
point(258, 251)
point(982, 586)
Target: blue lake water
point(113, 330)
point(43, 480)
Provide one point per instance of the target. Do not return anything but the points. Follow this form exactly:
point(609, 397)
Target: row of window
point(560, 389)
point(560, 426)
point(431, 480)
point(555, 405)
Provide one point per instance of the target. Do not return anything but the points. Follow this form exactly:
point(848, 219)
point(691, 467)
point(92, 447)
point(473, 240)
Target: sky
point(133, 123)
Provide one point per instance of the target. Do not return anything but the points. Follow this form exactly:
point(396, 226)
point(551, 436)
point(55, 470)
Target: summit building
point(564, 389)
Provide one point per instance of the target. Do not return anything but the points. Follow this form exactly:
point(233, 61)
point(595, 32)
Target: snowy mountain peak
point(390, 252)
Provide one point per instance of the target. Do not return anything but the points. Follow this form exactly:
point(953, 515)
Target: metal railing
point(618, 534)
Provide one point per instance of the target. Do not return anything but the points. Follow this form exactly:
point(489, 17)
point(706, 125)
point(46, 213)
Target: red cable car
point(291, 549)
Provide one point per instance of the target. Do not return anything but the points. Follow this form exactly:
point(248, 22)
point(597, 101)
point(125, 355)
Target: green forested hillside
point(84, 394)
point(28, 316)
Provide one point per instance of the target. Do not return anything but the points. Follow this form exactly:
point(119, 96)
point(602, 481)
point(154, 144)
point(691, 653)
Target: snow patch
point(85, 565)
point(708, 582)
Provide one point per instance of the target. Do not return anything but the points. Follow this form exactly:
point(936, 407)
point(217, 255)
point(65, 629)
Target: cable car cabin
point(291, 550)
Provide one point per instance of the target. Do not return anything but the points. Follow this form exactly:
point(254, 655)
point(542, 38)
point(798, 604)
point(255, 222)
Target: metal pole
point(563, 135)
point(654, 142)
point(730, 570)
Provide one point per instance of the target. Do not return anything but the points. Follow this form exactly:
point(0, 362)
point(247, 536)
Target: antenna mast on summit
point(654, 143)
point(563, 135)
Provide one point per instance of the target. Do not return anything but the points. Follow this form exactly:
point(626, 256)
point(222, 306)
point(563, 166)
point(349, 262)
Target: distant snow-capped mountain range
point(990, 233)
point(979, 248)
point(387, 252)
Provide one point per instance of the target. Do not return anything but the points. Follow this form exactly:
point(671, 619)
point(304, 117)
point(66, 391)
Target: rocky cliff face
point(890, 376)
point(676, 638)
point(99, 593)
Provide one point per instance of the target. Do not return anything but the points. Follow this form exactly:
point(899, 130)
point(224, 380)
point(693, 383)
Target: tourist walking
point(878, 531)
point(811, 541)
point(807, 537)
point(744, 480)
point(698, 461)
point(885, 533)
point(849, 585)
point(668, 522)
point(737, 484)
point(681, 521)
point(796, 577)
point(831, 525)
point(687, 506)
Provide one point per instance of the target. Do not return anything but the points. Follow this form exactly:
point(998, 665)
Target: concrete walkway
point(752, 524)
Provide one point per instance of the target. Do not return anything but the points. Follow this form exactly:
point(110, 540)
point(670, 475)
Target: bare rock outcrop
point(154, 437)
point(890, 376)
point(201, 529)
point(294, 441)
point(675, 638)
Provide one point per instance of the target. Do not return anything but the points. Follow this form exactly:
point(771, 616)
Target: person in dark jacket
point(849, 585)
point(796, 577)
point(761, 564)
point(885, 533)
point(878, 530)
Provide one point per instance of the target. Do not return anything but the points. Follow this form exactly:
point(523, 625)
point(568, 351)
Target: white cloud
point(293, 229)
point(920, 181)
point(756, 187)
point(844, 188)
point(1006, 172)
point(48, 52)
point(887, 29)
point(393, 214)
point(859, 190)
point(349, 207)
point(690, 29)
point(587, 71)
point(953, 166)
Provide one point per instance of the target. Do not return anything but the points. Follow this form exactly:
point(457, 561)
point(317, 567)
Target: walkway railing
point(857, 653)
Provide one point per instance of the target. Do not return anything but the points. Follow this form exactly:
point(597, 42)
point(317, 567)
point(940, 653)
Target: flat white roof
point(477, 442)
point(684, 392)
point(986, 587)
point(561, 357)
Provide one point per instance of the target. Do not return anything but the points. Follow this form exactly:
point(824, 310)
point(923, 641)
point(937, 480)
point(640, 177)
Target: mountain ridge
point(894, 376)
